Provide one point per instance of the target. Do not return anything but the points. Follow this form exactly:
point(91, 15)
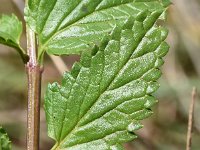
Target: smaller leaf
point(10, 33)
point(5, 143)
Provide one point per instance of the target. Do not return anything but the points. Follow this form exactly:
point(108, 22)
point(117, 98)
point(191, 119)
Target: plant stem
point(34, 73)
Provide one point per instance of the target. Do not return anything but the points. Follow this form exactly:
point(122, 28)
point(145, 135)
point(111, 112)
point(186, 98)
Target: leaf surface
point(5, 143)
point(72, 26)
point(10, 33)
point(100, 102)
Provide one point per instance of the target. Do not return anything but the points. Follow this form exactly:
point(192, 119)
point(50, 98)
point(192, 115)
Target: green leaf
point(72, 26)
point(100, 102)
point(5, 143)
point(10, 33)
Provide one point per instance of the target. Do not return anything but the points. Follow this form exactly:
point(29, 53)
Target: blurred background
point(165, 130)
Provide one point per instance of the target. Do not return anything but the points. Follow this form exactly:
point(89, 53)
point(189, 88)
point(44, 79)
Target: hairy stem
point(34, 72)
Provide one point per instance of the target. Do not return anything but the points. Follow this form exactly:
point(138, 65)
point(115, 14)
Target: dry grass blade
point(59, 64)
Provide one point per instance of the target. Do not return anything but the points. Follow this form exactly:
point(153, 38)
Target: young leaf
point(5, 143)
point(10, 33)
point(72, 26)
point(101, 101)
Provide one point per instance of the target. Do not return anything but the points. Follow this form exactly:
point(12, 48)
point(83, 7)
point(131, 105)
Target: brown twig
point(20, 5)
point(190, 119)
